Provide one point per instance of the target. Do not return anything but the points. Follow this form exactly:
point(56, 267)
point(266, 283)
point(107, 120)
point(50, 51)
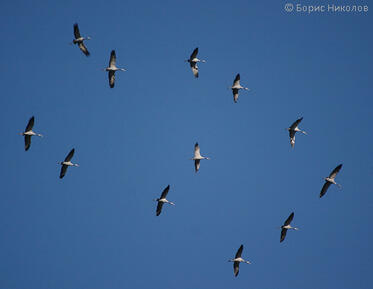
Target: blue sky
point(97, 227)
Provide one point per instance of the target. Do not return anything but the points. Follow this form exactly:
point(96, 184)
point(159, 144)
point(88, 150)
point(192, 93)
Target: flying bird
point(193, 60)
point(112, 68)
point(330, 180)
point(163, 200)
point(80, 40)
point(28, 133)
point(237, 260)
point(286, 226)
point(236, 87)
point(67, 163)
point(293, 129)
point(197, 157)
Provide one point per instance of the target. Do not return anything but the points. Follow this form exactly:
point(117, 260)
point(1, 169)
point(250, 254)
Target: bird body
point(69, 164)
point(294, 129)
point(30, 132)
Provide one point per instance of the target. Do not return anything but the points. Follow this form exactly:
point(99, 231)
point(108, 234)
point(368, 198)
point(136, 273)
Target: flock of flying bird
point(193, 60)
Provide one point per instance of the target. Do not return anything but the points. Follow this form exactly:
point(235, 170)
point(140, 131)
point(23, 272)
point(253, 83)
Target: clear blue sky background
point(97, 227)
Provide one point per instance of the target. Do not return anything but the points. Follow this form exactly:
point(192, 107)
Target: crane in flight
point(197, 157)
point(112, 68)
point(236, 87)
point(193, 60)
point(286, 226)
point(293, 129)
point(237, 260)
point(162, 200)
point(67, 163)
point(330, 180)
point(80, 40)
point(28, 133)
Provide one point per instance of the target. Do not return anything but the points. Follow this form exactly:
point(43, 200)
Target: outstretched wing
point(159, 208)
point(289, 219)
point(295, 123)
point(292, 137)
point(325, 187)
point(113, 58)
point(194, 54)
point(236, 81)
point(235, 94)
point(196, 150)
point(196, 165)
point(63, 171)
point(194, 67)
point(76, 31)
point(239, 252)
point(165, 192)
point(283, 234)
point(236, 268)
point(27, 142)
point(70, 155)
point(84, 49)
point(30, 124)
point(334, 173)
point(111, 78)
